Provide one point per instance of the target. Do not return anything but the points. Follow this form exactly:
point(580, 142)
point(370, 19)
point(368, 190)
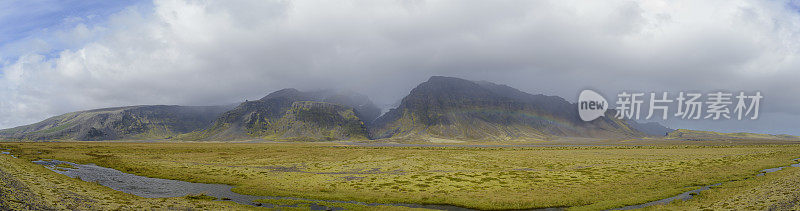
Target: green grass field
point(28, 186)
point(583, 178)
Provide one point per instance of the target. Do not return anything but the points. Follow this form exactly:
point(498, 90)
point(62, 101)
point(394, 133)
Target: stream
point(162, 188)
point(7, 152)
point(148, 187)
point(689, 194)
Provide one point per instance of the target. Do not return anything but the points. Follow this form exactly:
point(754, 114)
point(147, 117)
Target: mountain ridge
point(275, 117)
point(439, 108)
point(127, 122)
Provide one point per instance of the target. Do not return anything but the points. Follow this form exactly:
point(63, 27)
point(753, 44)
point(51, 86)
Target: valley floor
point(28, 186)
point(479, 177)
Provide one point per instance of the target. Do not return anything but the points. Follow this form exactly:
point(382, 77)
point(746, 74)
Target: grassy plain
point(580, 177)
point(28, 186)
point(774, 191)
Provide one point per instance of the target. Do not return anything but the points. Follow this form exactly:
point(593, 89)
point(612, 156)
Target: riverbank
point(778, 190)
point(163, 188)
point(28, 186)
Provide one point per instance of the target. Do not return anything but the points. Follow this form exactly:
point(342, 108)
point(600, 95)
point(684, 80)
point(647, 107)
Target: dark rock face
point(140, 122)
point(292, 114)
point(453, 108)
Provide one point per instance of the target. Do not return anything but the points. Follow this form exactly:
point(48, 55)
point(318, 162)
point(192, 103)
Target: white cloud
point(216, 52)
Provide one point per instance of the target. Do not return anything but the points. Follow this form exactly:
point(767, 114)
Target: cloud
point(215, 52)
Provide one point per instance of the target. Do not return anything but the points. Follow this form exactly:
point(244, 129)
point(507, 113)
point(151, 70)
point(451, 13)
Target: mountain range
point(132, 122)
point(441, 108)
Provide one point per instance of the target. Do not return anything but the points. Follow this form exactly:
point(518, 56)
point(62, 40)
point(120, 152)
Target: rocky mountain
point(290, 114)
point(133, 122)
point(453, 108)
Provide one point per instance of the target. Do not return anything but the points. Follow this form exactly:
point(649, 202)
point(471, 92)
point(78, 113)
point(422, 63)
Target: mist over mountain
point(293, 114)
point(224, 52)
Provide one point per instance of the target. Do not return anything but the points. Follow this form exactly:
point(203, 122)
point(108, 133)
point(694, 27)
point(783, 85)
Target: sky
point(63, 56)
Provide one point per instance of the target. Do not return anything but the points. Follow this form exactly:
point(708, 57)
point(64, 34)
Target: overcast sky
point(62, 56)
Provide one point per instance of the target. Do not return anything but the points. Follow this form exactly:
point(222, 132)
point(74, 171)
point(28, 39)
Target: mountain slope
point(650, 128)
point(132, 122)
point(311, 121)
point(453, 108)
point(290, 114)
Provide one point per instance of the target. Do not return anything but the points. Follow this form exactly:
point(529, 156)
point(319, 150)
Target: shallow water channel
point(689, 194)
point(162, 188)
point(7, 152)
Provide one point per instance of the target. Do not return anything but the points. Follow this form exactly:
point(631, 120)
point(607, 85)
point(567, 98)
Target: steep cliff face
point(133, 122)
point(288, 114)
point(452, 108)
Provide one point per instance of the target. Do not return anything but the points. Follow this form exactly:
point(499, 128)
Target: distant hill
point(453, 108)
point(290, 114)
point(709, 135)
point(132, 122)
point(650, 128)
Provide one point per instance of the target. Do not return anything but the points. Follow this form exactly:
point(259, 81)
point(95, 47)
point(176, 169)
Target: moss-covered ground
point(579, 177)
point(28, 186)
